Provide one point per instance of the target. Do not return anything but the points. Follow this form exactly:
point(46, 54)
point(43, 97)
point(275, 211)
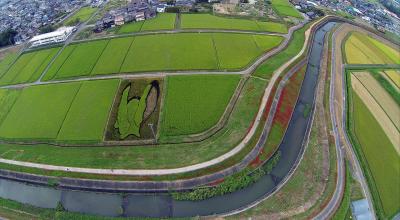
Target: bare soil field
point(375, 108)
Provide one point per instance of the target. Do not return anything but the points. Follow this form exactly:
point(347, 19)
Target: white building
point(60, 35)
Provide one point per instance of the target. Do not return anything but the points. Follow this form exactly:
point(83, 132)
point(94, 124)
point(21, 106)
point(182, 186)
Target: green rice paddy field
point(361, 49)
point(186, 51)
point(28, 67)
point(284, 8)
point(163, 21)
point(195, 103)
point(67, 111)
point(208, 21)
point(83, 15)
point(379, 156)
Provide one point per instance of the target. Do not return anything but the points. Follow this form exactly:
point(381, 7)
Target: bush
point(231, 184)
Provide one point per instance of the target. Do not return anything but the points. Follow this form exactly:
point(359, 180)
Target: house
point(119, 20)
point(140, 16)
point(161, 8)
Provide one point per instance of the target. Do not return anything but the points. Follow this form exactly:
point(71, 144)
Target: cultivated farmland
point(81, 15)
point(163, 21)
point(394, 76)
point(379, 103)
point(113, 56)
point(362, 49)
point(6, 61)
point(379, 156)
point(81, 60)
point(195, 103)
point(39, 112)
point(207, 21)
point(161, 52)
point(250, 46)
point(28, 67)
point(284, 8)
point(87, 117)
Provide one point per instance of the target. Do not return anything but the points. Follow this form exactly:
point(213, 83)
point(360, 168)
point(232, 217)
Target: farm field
point(208, 21)
point(250, 46)
point(81, 16)
point(394, 76)
point(6, 61)
point(163, 21)
point(81, 60)
point(47, 106)
point(379, 103)
point(161, 52)
point(113, 56)
point(284, 8)
point(266, 69)
point(7, 100)
point(28, 67)
point(379, 156)
point(193, 104)
point(362, 49)
point(143, 157)
point(88, 114)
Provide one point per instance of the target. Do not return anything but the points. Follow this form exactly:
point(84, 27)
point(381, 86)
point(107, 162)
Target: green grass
point(266, 69)
point(284, 8)
point(111, 59)
point(344, 207)
point(170, 52)
point(82, 15)
point(28, 67)
point(195, 103)
point(379, 156)
point(207, 21)
point(392, 53)
point(88, 114)
point(82, 59)
point(38, 112)
point(163, 21)
point(250, 47)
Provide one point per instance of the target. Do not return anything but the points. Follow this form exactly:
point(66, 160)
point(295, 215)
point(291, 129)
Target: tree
point(7, 37)
point(46, 29)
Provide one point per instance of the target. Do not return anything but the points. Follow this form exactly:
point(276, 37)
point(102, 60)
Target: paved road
point(342, 143)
